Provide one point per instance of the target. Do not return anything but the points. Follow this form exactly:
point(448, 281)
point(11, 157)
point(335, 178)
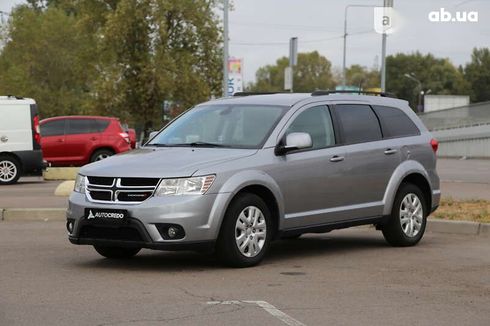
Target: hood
point(163, 162)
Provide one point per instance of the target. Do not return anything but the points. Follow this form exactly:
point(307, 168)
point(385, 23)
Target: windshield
point(234, 126)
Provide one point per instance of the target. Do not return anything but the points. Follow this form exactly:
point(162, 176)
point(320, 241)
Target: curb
point(60, 173)
point(33, 214)
point(458, 227)
point(65, 188)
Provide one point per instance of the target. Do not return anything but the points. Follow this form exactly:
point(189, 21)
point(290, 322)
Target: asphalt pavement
point(348, 277)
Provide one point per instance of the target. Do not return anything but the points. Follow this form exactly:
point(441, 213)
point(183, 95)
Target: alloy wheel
point(250, 231)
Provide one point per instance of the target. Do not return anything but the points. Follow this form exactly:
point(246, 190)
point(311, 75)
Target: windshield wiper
point(202, 144)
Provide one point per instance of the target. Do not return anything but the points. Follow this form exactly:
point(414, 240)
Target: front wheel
point(116, 252)
point(408, 219)
point(246, 232)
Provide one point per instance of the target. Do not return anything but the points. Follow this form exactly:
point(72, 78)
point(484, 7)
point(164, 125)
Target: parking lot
point(344, 277)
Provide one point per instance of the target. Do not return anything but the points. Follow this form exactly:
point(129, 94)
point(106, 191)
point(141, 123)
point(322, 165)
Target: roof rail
point(328, 92)
point(258, 93)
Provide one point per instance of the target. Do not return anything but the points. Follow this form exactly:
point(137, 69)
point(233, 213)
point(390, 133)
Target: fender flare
point(237, 183)
point(402, 171)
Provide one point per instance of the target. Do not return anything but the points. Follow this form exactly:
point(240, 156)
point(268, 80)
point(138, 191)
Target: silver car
point(233, 174)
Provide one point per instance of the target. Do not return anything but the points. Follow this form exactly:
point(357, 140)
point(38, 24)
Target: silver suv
point(234, 174)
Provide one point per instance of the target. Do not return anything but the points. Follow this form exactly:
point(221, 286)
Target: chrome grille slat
point(119, 193)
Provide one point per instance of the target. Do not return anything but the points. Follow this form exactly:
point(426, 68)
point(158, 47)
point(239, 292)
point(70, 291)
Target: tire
point(10, 170)
point(411, 230)
point(116, 252)
point(100, 154)
point(240, 227)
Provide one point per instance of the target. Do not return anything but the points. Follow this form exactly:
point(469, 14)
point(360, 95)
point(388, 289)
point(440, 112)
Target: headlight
point(79, 184)
point(185, 186)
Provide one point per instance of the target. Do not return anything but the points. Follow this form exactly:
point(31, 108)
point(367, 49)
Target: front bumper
point(200, 216)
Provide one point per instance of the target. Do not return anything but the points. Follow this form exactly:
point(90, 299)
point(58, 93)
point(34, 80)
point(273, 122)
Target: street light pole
point(344, 81)
point(225, 47)
point(419, 93)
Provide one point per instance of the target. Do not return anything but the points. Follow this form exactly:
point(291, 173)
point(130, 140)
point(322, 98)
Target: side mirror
point(294, 141)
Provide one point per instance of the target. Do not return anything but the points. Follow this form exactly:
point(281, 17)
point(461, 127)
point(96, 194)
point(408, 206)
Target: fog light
point(172, 232)
point(69, 226)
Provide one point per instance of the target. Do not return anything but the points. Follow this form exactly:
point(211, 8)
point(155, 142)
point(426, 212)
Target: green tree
point(113, 57)
point(477, 73)
point(357, 75)
point(45, 57)
point(438, 75)
point(312, 72)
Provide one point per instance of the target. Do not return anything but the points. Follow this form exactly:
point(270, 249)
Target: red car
point(78, 140)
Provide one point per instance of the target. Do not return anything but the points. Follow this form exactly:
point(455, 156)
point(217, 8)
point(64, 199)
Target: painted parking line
point(272, 310)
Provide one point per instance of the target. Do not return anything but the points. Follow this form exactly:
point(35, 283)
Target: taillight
point(434, 144)
point(125, 136)
point(37, 130)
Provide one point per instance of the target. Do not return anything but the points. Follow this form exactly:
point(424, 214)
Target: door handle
point(93, 138)
point(390, 151)
point(337, 158)
point(60, 140)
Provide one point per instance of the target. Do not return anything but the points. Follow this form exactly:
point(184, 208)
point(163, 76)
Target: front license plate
point(106, 215)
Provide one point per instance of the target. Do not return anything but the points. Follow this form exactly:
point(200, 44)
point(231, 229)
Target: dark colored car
point(78, 140)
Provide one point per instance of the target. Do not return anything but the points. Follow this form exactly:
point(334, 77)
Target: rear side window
point(101, 125)
point(358, 122)
point(395, 123)
point(317, 122)
point(84, 126)
point(53, 128)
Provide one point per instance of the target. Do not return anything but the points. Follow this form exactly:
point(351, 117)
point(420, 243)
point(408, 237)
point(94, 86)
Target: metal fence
point(461, 131)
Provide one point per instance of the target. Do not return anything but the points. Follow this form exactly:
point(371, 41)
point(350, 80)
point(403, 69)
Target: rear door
point(82, 136)
point(370, 160)
point(15, 127)
point(53, 140)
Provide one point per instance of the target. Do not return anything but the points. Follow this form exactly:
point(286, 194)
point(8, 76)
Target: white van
point(20, 149)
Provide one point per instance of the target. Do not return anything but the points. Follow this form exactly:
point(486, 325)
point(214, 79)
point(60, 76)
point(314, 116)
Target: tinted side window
point(317, 122)
point(395, 123)
point(53, 128)
point(359, 123)
point(101, 125)
point(81, 126)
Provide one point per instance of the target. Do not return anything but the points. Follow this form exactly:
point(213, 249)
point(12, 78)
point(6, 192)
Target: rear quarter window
point(395, 122)
point(358, 123)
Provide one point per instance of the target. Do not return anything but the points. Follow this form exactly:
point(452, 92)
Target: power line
point(303, 41)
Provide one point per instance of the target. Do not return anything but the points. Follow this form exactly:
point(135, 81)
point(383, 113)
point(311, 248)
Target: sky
point(260, 30)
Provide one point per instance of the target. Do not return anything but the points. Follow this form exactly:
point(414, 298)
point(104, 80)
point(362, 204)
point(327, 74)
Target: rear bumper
point(436, 198)
point(32, 162)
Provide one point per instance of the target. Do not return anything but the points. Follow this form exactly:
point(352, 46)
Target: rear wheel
point(406, 225)
point(9, 170)
point(100, 154)
point(246, 232)
point(116, 252)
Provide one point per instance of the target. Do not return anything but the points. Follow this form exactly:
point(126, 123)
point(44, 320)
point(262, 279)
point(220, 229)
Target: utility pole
point(387, 4)
point(345, 39)
point(225, 47)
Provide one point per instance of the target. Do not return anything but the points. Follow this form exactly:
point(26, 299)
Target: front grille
point(110, 233)
point(120, 190)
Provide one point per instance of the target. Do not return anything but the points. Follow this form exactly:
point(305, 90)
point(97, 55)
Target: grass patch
point(463, 210)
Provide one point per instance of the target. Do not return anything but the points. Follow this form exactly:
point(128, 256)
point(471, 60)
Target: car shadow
point(281, 251)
